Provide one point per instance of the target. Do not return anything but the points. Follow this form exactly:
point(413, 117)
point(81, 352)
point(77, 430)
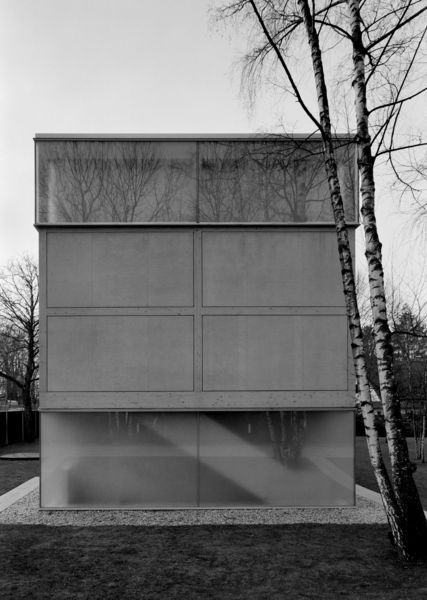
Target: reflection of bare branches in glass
point(346, 162)
point(224, 184)
point(286, 430)
point(270, 180)
point(292, 180)
point(120, 181)
point(72, 181)
point(175, 191)
point(276, 181)
point(130, 178)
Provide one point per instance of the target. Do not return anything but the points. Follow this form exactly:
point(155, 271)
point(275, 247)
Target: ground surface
point(15, 472)
point(224, 562)
point(265, 562)
point(365, 475)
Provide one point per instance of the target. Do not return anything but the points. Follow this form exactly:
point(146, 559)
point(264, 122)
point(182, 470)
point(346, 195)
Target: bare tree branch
point(12, 379)
point(284, 65)
point(390, 34)
point(395, 102)
point(400, 148)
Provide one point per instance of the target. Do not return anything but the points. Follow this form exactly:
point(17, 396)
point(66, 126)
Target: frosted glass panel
point(122, 181)
point(119, 460)
point(164, 460)
point(271, 181)
point(280, 458)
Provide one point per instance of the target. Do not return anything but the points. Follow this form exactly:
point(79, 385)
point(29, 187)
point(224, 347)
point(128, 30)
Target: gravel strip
point(26, 511)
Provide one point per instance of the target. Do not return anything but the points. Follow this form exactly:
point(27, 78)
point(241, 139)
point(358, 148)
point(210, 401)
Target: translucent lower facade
point(197, 459)
point(210, 181)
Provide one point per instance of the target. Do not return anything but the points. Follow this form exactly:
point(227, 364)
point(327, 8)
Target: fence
point(12, 426)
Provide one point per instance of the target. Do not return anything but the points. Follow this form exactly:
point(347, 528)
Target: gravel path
point(26, 511)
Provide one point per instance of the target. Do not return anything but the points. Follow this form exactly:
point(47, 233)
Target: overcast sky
point(123, 66)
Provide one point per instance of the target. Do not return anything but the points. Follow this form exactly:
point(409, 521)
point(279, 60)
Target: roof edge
point(186, 136)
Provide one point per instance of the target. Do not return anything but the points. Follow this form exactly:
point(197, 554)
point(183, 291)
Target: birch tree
point(380, 42)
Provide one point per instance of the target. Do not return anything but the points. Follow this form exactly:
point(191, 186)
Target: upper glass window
point(227, 181)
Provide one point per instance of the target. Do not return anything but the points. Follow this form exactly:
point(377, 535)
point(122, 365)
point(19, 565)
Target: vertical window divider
point(197, 183)
point(198, 326)
point(198, 460)
point(198, 330)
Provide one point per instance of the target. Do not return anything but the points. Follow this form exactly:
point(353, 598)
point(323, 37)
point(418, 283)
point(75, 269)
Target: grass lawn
point(15, 472)
point(365, 475)
point(226, 562)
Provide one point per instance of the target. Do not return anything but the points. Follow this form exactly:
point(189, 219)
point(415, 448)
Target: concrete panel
point(120, 353)
point(42, 312)
point(271, 268)
point(96, 269)
point(274, 353)
point(195, 400)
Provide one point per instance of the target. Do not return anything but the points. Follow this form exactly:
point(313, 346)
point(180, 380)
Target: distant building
point(194, 346)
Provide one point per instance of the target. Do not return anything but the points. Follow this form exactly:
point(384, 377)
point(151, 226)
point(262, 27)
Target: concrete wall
point(184, 318)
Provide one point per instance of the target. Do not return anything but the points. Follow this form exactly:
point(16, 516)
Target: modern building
point(194, 345)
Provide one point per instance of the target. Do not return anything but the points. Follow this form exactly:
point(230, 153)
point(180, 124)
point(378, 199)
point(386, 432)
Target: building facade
point(194, 345)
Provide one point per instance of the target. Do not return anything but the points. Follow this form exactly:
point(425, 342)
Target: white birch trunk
point(392, 496)
point(413, 522)
point(423, 435)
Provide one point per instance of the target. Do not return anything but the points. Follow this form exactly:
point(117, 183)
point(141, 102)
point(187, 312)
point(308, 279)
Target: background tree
point(409, 338)
point(409, 341)
point(19, 334)
point(381, 41)
point(407, 311)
